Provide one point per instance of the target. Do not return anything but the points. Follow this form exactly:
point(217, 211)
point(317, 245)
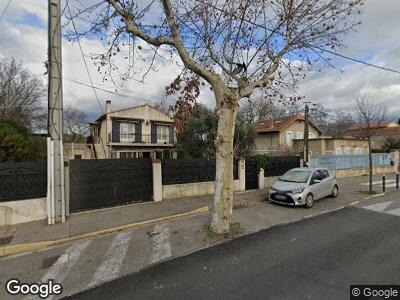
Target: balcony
point(137, 138)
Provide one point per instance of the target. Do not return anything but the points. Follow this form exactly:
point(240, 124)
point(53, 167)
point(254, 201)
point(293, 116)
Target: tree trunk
point(370, 164)
point(223, 197)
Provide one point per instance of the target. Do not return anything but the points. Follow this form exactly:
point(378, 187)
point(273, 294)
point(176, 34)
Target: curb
point(19, 248)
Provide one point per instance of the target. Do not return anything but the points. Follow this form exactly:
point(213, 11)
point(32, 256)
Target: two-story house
point(278, 134)
point(140, 131)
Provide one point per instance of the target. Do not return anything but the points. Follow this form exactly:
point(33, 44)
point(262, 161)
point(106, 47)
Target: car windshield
point(295, 176)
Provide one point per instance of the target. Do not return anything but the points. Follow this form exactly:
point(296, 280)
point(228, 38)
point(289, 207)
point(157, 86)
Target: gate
point(251, 175)
point(100, 183)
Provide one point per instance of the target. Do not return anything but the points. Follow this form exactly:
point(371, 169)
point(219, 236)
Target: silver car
point(302, 186)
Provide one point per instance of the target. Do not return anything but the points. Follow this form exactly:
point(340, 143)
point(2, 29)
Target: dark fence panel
point(109, 182)
point(187, 170)
point(278, 165)
point(23, 180)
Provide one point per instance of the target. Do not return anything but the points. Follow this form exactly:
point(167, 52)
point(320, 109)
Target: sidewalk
point(91, 221)
point(96, 220)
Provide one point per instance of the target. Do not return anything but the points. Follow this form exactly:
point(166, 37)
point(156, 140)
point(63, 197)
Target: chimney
point(108, 106)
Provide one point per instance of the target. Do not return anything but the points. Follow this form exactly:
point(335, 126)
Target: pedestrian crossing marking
point(379, 207)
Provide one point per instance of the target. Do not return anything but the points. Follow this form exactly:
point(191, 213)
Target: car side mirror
point(316, 181)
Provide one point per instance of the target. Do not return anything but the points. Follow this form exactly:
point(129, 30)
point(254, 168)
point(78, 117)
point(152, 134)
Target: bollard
point(383, 183)
point(397, 180)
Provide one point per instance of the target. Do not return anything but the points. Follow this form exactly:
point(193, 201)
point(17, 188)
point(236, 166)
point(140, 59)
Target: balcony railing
point(119, 137)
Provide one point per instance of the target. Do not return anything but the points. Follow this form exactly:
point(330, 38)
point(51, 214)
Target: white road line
point(63, 265)
point(379, 182)
point(373, 196)
point(395, 212)
point(379, 207)
point(354, 203)
point(113, 260)
point(161, 245)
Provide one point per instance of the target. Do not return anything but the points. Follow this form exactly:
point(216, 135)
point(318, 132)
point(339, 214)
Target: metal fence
point(279, 165)
point(23, 180)
point(343, 162)
point(187, 170)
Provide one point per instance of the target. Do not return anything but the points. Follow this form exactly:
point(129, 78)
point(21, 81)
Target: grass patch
point(235, 229)
point(367, 193)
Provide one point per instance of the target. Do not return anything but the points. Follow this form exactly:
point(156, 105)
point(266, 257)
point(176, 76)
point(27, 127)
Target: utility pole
point(55, 196)
point(306, 135)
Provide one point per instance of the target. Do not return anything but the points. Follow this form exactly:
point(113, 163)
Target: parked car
point(302, 186)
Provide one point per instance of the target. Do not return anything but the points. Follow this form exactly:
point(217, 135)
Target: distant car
point(302, 186)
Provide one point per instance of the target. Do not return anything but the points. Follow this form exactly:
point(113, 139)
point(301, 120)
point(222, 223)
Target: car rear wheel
point(335, 191)
point(309, 201)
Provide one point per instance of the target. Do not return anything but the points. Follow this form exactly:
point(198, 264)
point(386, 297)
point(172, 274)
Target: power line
point(107, 91)
point(5, 10)
point(310, 45)
point(83, 57)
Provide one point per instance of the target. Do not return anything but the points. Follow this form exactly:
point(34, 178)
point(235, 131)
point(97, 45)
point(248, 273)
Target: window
point(127, 132)
point(347, 151)
point(127, 154)
point(162, 134)
point(289, 137)
point(77, 156)
point(357, 151)
point(299, 135)
point(338, 151)
point(324, 173)
point(316, 176)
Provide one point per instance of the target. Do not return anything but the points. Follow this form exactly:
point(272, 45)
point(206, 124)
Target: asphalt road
point(316, 258)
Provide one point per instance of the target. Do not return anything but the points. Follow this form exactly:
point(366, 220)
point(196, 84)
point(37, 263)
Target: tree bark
point(223, 197)
point(370, 164)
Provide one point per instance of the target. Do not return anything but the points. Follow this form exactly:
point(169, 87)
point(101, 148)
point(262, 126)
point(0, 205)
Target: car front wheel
point(309, 201)
point(335, 191)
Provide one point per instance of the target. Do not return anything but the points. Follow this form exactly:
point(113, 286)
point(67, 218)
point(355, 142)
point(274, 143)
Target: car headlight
point(298, 191)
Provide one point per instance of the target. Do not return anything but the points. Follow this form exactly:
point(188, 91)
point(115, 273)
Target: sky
point(23, 35)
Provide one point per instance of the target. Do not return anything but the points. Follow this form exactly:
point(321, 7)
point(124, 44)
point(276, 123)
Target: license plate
point(280, 197)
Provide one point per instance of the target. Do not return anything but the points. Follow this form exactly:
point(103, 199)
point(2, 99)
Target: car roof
point(308, 169)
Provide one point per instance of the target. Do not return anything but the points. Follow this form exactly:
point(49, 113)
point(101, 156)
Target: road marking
point(113, 260)
point(63, 265)
point(373, 196)
point(379, 207)
point(161, 245)
point(378, 182)
point(395, 212)
point(354, 203)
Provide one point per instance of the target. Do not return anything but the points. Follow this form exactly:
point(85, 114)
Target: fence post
point(383, 183)
point(261, 179)
point(397, 180)
point(394, 157)
point(242, 174)
point(157, 180)
point(66, 187)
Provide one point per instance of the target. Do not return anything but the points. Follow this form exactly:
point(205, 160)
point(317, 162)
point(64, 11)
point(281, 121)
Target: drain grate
point(6, 240)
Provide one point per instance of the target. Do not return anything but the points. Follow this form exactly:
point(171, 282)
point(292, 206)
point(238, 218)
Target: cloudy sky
point(23, 35)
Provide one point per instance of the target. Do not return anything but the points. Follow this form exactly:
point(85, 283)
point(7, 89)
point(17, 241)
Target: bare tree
point(21, 93)
point(370, 117)
point(233, 47)
point(76, 126)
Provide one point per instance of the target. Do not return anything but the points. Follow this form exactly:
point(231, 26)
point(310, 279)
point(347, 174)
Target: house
point(278, 134)
point(325, 145)
point(140, 131)
point(77, 151)
point(381, 133)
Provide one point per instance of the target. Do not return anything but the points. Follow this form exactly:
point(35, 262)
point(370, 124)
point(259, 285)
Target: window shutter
point(138, 132)
point(115, 131)
point(171, 134)
point(153, 133)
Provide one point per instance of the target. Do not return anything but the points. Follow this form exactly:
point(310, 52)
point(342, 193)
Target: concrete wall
point(72, 149)
point(171, 191)
point(364, 171)
point(21, 211)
